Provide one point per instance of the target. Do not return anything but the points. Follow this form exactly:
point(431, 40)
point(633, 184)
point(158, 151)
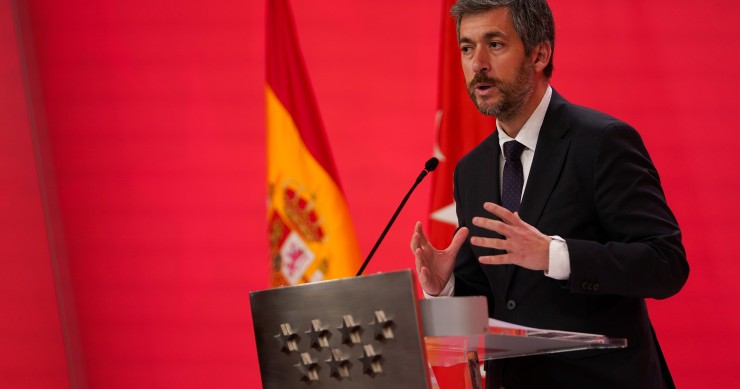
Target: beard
point(513, 93)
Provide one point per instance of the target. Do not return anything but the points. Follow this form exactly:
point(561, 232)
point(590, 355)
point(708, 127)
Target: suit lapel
point(549, 156)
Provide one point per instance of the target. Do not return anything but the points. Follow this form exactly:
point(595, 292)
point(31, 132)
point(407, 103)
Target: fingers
point(507, 216)
point(527, 261)
point(416, 237)
point(503, 259)
point(424, 274)
point(418, 228)
point(494, 225)
point(492, 243)
point(419, 259)
point(419, 243)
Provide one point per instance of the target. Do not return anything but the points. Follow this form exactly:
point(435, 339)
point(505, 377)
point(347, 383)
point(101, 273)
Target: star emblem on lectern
point(339, 365)
point(371, 361)
point(309, 368)
point(287, 338)
point(351, 331)
point(383, 326)
point(318, 335)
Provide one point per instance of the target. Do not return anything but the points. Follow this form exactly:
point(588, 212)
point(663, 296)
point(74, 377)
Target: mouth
point(483, 89)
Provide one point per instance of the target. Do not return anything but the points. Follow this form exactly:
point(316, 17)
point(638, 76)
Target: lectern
point(373, 332)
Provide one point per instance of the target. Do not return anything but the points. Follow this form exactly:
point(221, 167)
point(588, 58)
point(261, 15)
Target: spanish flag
point(459, 128)
point(310, 231)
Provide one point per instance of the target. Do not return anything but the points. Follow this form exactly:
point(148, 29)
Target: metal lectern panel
point(353, 333)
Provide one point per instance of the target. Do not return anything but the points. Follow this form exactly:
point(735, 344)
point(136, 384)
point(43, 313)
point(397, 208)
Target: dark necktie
point(511, 192)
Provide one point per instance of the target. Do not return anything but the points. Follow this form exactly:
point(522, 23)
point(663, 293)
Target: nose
point(481, 63)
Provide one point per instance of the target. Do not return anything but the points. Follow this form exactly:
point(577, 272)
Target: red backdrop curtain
point(132, 159)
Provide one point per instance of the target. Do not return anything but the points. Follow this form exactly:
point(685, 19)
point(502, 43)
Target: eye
point(466, 49)
point(494, 45)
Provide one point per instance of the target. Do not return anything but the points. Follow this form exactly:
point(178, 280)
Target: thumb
point(457, 241)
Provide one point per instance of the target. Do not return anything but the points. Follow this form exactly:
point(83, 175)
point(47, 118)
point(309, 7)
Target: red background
point(132, 163)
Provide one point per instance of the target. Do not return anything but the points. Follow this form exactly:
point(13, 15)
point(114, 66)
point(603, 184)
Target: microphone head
point(431, 164)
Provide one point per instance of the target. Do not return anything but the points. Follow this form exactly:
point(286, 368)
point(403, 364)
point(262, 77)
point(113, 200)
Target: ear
point(541, 55)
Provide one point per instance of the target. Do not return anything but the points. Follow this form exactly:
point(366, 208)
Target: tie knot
point(513, 150)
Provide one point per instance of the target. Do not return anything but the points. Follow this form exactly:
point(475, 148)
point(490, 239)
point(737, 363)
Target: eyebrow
point(487, 36)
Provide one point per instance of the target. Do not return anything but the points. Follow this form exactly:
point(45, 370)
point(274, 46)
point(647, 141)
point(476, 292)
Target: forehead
point(495, 20)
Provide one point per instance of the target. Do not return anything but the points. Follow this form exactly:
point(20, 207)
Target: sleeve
point(643, 255)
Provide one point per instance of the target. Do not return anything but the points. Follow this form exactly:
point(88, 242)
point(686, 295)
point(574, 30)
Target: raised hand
point(433, 266)
point(525, 246)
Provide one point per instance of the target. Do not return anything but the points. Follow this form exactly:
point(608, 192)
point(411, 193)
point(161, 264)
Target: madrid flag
point(310, 231)
point(460, 127)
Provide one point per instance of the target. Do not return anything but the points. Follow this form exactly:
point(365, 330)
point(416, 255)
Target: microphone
point(428, 168)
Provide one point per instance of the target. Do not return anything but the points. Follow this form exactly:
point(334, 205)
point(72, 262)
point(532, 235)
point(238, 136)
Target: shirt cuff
point(559, 267)
point(446, 292)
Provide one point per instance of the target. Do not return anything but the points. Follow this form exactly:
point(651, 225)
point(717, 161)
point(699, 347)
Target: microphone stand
point(430, 166)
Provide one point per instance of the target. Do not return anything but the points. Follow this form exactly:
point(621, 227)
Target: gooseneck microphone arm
point(428, 167)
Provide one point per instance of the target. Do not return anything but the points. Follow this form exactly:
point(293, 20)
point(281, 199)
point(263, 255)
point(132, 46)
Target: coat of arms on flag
point(291, 238)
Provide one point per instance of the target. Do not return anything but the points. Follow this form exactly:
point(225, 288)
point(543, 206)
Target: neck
point(513, 125)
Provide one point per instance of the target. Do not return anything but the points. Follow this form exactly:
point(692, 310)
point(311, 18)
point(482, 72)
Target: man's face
point(499, 77)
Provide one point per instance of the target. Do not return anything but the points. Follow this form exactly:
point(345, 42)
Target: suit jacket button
point(510, 305)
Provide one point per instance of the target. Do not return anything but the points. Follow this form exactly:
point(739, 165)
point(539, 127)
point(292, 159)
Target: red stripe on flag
point(287, 76)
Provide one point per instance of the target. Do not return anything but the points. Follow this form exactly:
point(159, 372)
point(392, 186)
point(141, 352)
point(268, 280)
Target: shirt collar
point(531, 130)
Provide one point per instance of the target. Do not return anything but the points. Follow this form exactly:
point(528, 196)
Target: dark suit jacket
point(592, 183)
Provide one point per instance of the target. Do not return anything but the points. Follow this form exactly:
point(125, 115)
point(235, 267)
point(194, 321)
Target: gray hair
point(532, 20)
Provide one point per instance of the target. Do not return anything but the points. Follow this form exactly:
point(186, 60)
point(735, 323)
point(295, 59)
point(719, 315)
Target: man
point(563, 222)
